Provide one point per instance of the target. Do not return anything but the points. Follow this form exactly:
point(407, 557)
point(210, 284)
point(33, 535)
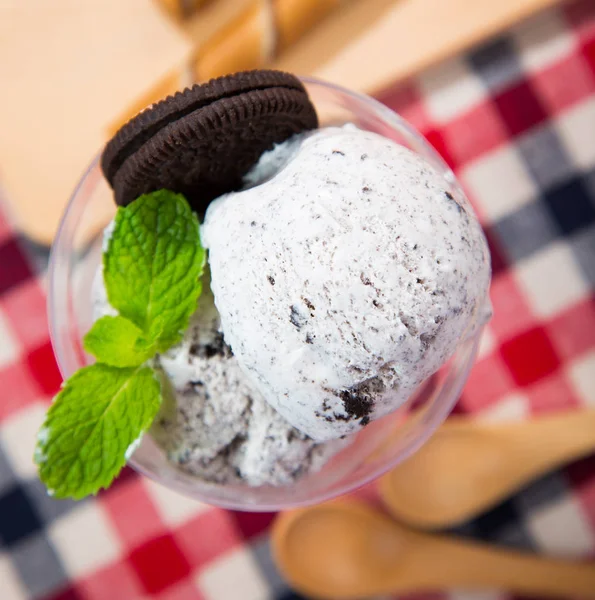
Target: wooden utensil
point(348, 550)
point(468, 466)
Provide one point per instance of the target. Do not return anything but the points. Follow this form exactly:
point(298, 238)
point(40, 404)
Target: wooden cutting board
point(68, 68)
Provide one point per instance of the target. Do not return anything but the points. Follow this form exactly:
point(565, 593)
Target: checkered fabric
point(516, 120)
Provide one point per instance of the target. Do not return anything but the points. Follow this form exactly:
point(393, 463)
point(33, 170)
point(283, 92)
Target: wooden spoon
point(348, 550)
point(468, 467)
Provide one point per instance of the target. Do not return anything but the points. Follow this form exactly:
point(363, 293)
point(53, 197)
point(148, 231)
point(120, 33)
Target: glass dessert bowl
point(382, 444)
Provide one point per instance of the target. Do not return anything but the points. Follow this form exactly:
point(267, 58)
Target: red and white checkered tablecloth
point(516, 120)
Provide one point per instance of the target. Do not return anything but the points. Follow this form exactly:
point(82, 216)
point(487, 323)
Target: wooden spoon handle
point(553, 441)
point(460, 564)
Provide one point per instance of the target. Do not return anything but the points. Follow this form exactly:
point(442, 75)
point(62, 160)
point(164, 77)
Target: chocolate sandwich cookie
point(201, 142)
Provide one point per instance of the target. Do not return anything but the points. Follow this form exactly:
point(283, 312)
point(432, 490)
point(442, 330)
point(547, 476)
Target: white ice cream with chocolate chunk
point(346, 279)
point(217, 426)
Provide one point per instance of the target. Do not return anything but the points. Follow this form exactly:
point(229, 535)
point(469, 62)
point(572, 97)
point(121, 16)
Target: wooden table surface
point(69, 68)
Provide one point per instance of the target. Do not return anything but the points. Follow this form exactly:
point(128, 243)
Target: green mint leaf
point(153, 264)
point(118, 342)
point(92, 426)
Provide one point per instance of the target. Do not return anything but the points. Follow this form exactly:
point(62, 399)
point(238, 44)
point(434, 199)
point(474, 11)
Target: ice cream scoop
point(215, 426)
point(345, 278)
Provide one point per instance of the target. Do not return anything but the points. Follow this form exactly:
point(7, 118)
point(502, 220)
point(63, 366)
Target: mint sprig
point(153, 265)
point(118, 342)
point(99, 413)
point(152, 268)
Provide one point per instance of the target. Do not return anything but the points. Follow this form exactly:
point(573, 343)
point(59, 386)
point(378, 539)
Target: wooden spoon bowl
point(467, 466)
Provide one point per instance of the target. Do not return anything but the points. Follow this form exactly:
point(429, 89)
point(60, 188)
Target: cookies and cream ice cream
point(215, 424)
point(220, 427)
point(343, 275)
point(346, 279)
